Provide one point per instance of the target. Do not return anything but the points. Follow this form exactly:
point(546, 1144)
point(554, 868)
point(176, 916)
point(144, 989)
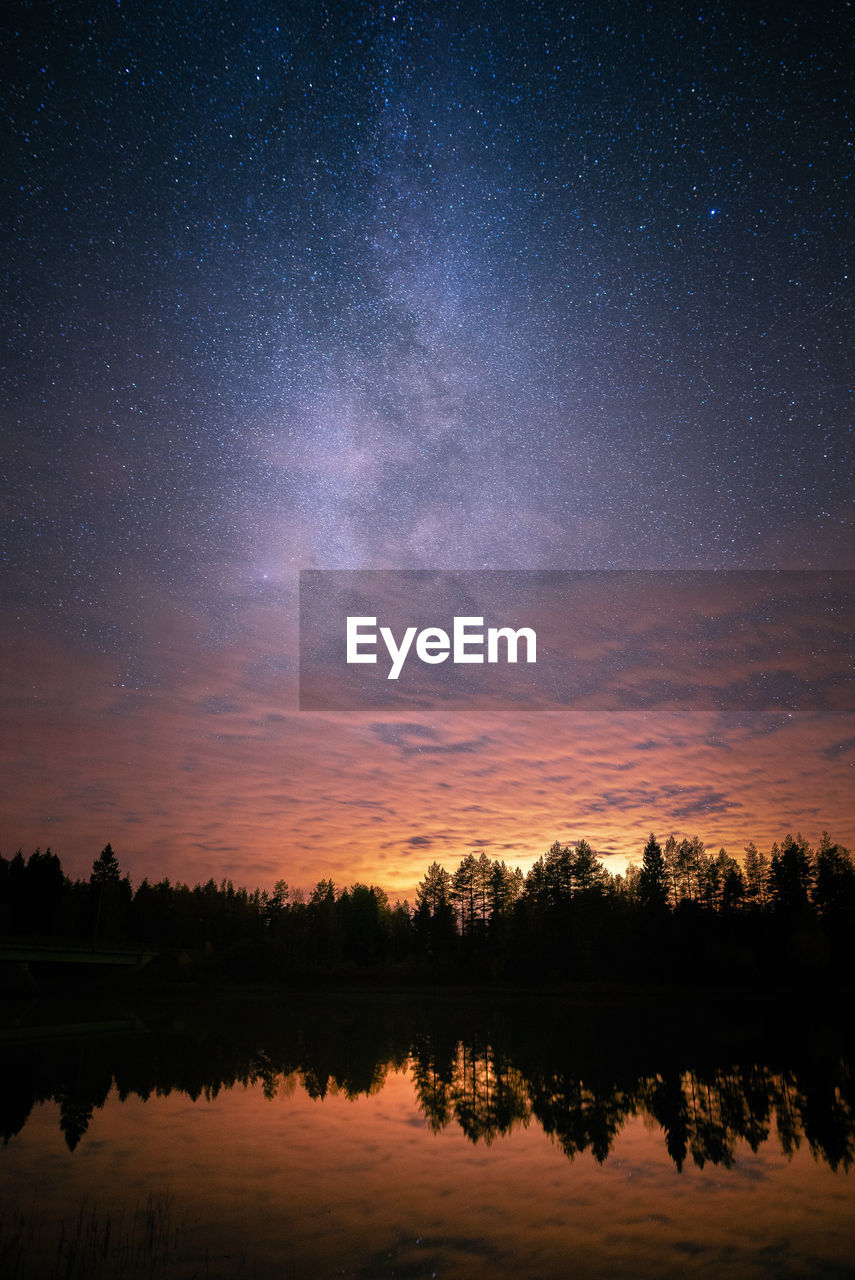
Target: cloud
point(396, 731)
point(306, 795)
point(845, 747)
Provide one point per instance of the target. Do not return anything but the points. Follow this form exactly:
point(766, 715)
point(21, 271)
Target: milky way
point(386, 285)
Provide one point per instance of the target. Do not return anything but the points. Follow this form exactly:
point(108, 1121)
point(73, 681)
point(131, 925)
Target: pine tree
point(433, 919)
point(653, 879)
point(105, 868)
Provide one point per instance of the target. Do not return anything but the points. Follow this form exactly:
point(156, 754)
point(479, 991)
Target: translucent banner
point(611, 640)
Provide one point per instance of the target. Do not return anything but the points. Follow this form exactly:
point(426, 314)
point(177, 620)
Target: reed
point(96, 1244)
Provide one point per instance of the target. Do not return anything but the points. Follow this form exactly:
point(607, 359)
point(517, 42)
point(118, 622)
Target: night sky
point(405, 286)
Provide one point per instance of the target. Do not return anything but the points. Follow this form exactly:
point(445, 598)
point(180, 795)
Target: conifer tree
point(653, 879)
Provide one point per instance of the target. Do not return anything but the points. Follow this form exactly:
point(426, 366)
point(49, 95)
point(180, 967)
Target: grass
point(95, 1245)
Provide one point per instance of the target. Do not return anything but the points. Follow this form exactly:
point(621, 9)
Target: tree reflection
point(433, 1069)
point(488, 1094)
point(703, 1115)
point(580, 1078)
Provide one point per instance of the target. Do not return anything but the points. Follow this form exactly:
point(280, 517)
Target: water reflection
point(579, 1074)
point(702, 1115)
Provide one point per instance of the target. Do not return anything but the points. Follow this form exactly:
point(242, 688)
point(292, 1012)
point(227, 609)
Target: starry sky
point(386, 285)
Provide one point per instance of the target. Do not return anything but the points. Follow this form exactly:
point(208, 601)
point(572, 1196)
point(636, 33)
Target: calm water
point(371, 1136)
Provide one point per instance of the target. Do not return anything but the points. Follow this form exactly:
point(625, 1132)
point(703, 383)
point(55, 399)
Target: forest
point(683, 916)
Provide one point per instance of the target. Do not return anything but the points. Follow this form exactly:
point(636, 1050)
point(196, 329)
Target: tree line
point(682, 914)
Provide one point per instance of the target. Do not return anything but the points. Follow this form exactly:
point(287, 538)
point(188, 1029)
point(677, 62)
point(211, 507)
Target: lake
point(428, 1134)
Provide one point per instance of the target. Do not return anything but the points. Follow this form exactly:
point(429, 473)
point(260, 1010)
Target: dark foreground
point(420, 1134)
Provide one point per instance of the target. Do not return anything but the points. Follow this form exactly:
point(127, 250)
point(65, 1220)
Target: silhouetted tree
point(274, 904)
point(504, 887)
point(105, 868)
point(731, 882)
point(323, 932)
point(112, 895)
point(466, 893)
point(627, 885)
point(791, 874)
point(32, 893)
point(366, 920)
point(653, 878)
point(756, 876)
point(834, 886)
point(558, 875)
point(588, 873)
point(568, 918)
point(400, 931)
point(433, 919)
